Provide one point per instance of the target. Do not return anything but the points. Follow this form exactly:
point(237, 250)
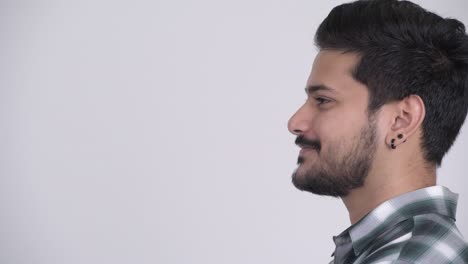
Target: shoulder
point(434, 239)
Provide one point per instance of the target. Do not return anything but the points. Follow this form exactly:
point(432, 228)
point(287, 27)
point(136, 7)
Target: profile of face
point(337, 136)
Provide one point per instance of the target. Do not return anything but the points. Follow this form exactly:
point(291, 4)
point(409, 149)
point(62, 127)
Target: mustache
point(308, 143)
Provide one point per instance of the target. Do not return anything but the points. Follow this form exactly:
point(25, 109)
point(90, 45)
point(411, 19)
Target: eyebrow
point(314, 88)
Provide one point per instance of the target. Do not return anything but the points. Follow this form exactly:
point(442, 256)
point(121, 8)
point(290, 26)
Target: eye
point(321, 100)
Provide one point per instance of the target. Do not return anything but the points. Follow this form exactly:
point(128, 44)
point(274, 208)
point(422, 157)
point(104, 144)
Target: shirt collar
point(435, 199)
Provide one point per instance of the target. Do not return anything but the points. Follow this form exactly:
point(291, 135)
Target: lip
point(306, 150)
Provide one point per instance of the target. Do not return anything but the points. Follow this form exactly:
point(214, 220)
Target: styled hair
point(406, 50)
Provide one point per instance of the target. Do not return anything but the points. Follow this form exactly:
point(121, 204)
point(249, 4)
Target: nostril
point(297, 124)
point(297, 132)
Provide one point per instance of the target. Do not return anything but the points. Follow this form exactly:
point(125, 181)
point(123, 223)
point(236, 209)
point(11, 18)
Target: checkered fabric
point(415, 227)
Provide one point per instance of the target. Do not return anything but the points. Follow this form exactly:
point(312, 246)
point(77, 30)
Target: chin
point(299, 179)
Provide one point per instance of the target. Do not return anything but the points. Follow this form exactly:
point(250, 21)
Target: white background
point(155, 132)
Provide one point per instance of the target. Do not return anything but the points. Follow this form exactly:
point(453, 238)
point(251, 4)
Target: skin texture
point(351, 155)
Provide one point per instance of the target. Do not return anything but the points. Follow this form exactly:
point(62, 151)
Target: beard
point(339, 171)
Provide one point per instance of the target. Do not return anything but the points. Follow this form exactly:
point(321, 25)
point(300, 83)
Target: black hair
point(405, 50)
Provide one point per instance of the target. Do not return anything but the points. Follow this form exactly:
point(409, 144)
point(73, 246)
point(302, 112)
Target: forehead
point(334, 69)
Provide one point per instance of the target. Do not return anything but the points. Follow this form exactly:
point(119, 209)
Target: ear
point(407, 118)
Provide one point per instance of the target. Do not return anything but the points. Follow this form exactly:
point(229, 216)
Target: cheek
point(337, 126)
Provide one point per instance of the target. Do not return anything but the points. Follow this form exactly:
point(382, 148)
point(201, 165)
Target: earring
point(400, 136)
point(392, 143)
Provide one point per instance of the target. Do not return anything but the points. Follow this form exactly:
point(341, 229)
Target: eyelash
point(321, 100)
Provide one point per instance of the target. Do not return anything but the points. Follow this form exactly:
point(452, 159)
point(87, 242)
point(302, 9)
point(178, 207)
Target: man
point(386, 99)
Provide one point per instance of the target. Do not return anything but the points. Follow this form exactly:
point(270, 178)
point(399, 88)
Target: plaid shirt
point(415, 227)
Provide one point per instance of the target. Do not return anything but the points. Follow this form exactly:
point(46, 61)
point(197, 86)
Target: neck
point(384, 186)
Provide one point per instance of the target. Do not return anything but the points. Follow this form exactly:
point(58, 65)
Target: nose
point(299, 123)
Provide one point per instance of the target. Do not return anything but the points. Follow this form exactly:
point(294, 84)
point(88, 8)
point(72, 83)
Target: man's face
point(338, 138)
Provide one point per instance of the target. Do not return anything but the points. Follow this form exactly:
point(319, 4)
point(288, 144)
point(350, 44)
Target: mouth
point(305, 150)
